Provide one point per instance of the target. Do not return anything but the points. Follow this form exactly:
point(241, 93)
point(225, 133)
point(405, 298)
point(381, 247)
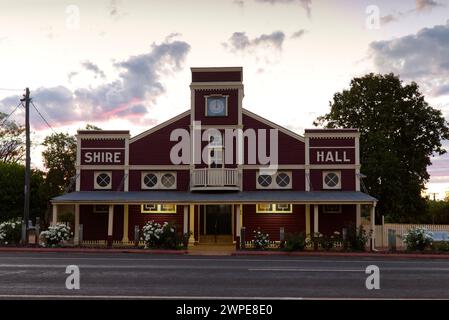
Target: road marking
point(5, 273)
point(306, 270)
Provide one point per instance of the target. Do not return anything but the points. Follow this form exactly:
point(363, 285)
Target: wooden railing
point(216, 178)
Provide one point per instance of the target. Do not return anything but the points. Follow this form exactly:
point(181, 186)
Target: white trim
point(344, 147)
point(273, 185)
point(273, 125)
point(338, 186)
point(77, 164)
point(159, 185)
point(159, 126)
point(104, 136)
point(279, 167)
point(216, 69)
point(97, 186)
point(331, 166)
point(307, 163)
point(358, 216)
point(76, 238)
point(315, 219)
point(54, 214)
point(126, 173)
point(100, 148)
point(332, 135)
point(110, 220)
point(185, 222)
point(203, 86)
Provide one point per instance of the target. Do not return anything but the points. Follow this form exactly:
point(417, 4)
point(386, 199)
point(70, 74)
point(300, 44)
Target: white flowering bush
point(260, 240)
point(55, 235)
point(10, 231)
point(156, 235)
point(417, 239)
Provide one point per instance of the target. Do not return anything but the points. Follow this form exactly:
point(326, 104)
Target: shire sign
point(102, 157)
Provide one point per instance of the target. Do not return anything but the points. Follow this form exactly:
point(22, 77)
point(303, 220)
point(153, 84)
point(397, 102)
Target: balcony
point(214, 179)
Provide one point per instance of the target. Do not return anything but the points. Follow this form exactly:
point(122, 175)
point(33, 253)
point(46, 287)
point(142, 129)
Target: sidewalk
point(196, 251)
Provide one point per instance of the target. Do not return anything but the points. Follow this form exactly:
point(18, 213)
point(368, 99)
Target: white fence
point(382, 232)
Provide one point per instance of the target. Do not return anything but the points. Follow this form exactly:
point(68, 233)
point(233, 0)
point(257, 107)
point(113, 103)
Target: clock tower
point(216, 96)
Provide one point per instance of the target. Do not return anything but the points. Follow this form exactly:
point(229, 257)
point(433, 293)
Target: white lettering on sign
point(102, 157)
point(332, 156)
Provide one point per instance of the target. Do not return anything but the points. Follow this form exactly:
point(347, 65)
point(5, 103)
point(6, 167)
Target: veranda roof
point(243, 197)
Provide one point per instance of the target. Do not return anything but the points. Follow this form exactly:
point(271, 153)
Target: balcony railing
point(215, 179)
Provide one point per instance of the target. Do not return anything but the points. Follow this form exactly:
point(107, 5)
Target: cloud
point(136, 89)
point(306, 4)
point(115, 11)
point(298, 34)
point(239, 41)
point(94, 68)
point(240, 3)
point(422, 5)
point(388, 19)
point(423, 57)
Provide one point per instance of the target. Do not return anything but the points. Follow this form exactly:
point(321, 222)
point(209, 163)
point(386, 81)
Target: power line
point(45, 120)
point(6, 119)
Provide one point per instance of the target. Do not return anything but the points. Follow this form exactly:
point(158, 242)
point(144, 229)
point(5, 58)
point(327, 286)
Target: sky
point(126, 64)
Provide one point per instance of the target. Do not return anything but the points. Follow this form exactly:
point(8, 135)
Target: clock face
point(216, 106)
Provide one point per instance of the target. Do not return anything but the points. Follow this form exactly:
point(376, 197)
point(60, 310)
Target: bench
point(441, 236)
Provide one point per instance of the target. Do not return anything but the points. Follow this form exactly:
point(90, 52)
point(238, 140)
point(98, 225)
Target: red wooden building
point(215, 169)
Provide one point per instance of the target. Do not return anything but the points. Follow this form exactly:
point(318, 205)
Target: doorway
point(218, 220)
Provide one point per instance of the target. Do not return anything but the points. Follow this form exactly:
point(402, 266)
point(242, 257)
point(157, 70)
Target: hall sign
point(112, 157)
point(333, 156)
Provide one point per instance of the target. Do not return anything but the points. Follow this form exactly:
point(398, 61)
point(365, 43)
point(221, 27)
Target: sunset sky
point(126, 64)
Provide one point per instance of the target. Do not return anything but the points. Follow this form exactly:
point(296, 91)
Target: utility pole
point(26, 209)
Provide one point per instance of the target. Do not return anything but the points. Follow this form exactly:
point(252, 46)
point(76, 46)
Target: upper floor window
point(103, 180)
point(158, 180)
point(280, 180)
point(215, 150)
point(216, 106)
point(332, 180)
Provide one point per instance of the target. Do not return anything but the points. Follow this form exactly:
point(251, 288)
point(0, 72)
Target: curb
point(89, 250)
point(344, 254)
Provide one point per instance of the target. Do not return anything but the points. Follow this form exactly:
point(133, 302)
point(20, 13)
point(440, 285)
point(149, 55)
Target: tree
point(12, 143)
point(399, 133)
point(59, 159)
point(12, 179)
point(92, 127)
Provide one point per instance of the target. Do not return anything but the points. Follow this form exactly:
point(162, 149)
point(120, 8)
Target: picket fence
point(381, 240)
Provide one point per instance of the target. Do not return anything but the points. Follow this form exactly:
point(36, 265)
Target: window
point(101, 208)
point(215, 149)
point(332, 208)
point(332, 180)
point(103, 180)
point(158, 180)
point(279, 180)
point(274, 208)
point(158, 208)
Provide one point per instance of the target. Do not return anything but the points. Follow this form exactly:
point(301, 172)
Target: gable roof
point(244, 111)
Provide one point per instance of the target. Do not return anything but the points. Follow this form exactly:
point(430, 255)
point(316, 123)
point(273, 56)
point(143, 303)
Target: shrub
point(441, 246)
point(417, 239)
point(156, 235)
point(357, 238)
point(296, 241)
point(260, 240)
point(10, 231)
point(55, 235)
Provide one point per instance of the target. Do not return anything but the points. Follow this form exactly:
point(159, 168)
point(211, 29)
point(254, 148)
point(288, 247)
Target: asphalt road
point(128, 276)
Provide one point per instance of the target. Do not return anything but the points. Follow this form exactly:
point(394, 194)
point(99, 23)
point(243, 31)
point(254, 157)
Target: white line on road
point(306, 270)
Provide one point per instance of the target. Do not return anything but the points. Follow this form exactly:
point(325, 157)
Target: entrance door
point(219, 220)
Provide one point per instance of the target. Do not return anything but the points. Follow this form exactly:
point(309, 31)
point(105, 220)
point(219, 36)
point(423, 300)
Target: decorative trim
point(97, 186)
point(159, 126)
point(273, 183)
point(337, 186)
point(216, 69)
point(272, 124)
point(158, 185)
point(333, 135)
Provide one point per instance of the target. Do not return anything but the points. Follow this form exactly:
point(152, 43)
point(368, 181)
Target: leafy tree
point(59, 158)
point(92, 127)
point(12, 179)
point(400, 132)
point(12, 141)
